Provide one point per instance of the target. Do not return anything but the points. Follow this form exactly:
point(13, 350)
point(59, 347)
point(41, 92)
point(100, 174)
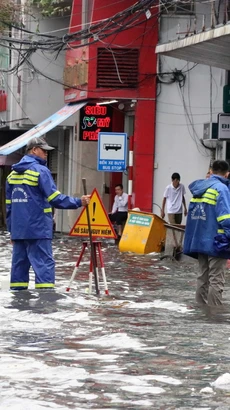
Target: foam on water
point(127, 382)
point(28, 369)
point(207, 390)
point(70, 354)
point(142, 403)
point(81, 316)
point(17, 403)
point(163, 379)
point(25, 320)
point(136, 349)
point(160, 304)
point(143, 389)
point(117, 341)
point(222, 382)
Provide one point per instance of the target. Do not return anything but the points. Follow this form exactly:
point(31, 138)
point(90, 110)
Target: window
point(177, 7)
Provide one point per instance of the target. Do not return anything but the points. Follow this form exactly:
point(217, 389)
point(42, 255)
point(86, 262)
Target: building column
point(116, 177)
point(144, 146)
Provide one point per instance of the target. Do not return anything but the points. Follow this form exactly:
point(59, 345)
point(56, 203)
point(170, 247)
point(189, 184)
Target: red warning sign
point(101, 226)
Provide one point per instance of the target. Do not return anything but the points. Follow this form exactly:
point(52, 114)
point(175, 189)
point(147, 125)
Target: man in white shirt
point(120, 208)
point(174, 198)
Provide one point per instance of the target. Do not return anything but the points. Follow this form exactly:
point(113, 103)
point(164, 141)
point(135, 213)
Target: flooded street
point(145, 346)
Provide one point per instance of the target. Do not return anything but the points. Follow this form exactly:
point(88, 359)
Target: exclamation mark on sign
point(94, 209)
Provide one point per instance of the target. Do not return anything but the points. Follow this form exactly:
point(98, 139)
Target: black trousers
point(118, 217)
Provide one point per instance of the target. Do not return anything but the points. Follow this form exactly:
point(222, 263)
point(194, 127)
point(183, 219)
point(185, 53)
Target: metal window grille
point(117, 68)
point(53, 161)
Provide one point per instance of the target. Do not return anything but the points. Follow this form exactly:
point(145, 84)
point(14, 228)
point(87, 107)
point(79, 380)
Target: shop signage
point(94, 119)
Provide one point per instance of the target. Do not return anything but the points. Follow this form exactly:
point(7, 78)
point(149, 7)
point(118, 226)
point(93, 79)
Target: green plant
point(52, 7)
point(9, 13)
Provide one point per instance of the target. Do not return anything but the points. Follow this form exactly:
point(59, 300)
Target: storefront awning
point(210, 47)
point(41, 128)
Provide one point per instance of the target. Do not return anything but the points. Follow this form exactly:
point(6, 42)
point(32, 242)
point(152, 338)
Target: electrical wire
point(181, 105)
point(26, 58)
point(167, 4)
point(53, 45)
point(190, 126)
point(195, 115)
point(133, 16)
point(80, 13)
point(93, 31)
point(27, 54)
point(178, 76)
point(60, 82)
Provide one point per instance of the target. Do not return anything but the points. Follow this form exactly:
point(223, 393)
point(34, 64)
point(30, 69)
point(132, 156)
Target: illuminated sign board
point(94, 119)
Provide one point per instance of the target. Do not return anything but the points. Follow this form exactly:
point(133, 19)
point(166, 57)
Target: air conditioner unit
point(210, 131)
point(210, 134)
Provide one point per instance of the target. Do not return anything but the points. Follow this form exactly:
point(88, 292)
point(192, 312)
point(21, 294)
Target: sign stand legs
point(91, 277)
point(102, 267)
point(97, 255)
point(84, 245)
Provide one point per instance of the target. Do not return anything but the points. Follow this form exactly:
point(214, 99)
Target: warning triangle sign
point(101, 226)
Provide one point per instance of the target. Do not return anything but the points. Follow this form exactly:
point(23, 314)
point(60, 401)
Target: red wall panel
point(143, 166)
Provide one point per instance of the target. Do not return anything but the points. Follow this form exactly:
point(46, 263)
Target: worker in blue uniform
point(207, 233)
point(30, 196)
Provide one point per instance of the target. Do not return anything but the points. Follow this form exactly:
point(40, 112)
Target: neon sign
point(94, 119)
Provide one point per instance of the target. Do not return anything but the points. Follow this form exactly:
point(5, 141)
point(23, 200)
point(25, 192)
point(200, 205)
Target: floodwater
point(145, 346)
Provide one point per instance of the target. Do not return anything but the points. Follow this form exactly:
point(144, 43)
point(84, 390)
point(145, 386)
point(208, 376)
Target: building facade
point(190, 97)
point(34, 92)
point(123, 58)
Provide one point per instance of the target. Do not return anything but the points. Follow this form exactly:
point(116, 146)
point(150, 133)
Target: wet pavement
point(145, 346)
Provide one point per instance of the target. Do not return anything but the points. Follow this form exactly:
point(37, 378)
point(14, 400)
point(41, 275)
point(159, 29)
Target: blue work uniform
point(30, 195)
point(208, 222)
